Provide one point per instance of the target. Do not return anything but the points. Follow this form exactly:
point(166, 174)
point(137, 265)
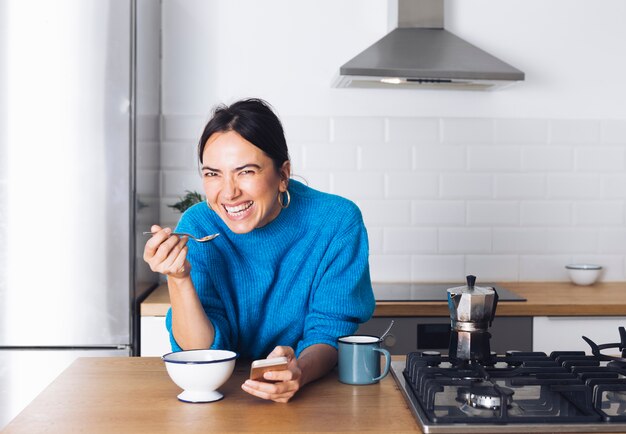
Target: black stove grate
point(520, 387)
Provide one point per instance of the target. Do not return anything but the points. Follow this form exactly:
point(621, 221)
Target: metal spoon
point(181, 234)
point(387, 331)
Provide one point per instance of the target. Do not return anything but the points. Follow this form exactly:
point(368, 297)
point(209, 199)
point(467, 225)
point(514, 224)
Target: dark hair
point(254, 120)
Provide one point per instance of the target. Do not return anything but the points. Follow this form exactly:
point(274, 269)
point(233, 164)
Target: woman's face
point(240, 182)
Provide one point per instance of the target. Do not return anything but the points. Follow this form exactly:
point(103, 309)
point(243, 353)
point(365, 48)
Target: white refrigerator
point(79, 138)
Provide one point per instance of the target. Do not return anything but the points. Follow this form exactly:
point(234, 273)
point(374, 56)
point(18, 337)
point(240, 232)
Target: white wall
point(509, 185)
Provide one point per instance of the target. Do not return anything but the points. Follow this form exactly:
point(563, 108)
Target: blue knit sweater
point(302, 279)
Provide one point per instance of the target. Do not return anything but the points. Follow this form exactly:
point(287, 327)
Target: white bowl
point(200, 372)
point(583, 274)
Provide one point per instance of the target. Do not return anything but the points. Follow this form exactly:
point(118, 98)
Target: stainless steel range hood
point(421, 54)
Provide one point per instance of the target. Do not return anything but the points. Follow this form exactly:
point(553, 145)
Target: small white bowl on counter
point(583, 274)
point(200, 372)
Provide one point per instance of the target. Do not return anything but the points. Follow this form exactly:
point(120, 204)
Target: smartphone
point(259, 367)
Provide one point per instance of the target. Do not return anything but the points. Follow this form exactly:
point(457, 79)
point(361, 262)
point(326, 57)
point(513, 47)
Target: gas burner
point(617, 396)
point(488, 397)
point(432, 358)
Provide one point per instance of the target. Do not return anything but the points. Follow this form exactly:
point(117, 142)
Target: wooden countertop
point(107, 395)
point(542, 299)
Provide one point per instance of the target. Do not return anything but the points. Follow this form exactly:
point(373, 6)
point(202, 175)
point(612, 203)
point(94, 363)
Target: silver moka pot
point(472, 309)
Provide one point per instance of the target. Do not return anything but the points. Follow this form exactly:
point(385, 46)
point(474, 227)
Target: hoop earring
point(282, 204)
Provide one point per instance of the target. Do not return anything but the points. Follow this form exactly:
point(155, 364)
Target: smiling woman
point(289, 273)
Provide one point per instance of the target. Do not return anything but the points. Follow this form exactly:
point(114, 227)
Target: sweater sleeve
point(210, 299)
point(343, 298)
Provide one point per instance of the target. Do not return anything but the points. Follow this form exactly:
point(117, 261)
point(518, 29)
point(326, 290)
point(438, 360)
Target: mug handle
point(387, 363)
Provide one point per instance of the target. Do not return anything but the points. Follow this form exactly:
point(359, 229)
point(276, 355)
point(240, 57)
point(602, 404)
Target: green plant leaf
point(186, 201)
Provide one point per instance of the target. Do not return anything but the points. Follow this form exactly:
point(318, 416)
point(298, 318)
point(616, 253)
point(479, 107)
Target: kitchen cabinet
point(554, 333)
point(155, 340)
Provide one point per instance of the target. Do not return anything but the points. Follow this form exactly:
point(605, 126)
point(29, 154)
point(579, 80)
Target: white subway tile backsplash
point(377, 157)
point(319, 180)
point(574, 186)
point(358, 130)
point(147, 182)
point(296, 156)
point(521, 131)
point(577, 240)
point(437, 268)
point(407, 185)
point(600, 158)
point(612, 241)
point(614, 186)
point(375, 239)
point(359, 185)
point(176, 182)
point(467, 131)
point(547, 158)
point(493, 213)
point(179, 155)
point(390, 268)
point(492, 267)
point(543, 267)
point(301, 129)
point(546, 213)
point(464, 240)
point(410, 240)
point(413, 130)
point(520, 186)
point(148, 155)
point(494, 158)
point(466, 186)
point(599, 213)
point(519, 240)
point(614, 131)
point(330, 157)
point(178, 127)
point(438, 213)
point(504, 199)
point(440, 157)
point(574, 132)
point(385, 212)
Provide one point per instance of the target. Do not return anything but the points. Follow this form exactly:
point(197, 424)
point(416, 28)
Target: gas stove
point(565, 391)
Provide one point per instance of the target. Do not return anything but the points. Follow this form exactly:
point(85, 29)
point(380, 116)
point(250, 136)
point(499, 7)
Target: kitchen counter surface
point(542, 299)
point(106, 395)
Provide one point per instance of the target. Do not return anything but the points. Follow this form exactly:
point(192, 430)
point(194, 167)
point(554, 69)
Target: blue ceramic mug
point(359, 359)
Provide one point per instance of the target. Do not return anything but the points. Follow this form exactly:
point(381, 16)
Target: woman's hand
point(166, 253)
point(287, 381)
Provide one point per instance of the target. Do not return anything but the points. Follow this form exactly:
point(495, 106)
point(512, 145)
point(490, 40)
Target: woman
point(289, 272)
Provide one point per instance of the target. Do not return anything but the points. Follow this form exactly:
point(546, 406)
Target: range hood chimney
point(421, 54)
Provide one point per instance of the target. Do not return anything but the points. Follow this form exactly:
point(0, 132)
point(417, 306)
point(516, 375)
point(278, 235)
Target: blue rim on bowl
point(583, 267)
point(198, 362)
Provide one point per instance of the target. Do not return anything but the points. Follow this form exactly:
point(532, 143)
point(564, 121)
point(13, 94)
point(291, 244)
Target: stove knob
point(389, 341)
